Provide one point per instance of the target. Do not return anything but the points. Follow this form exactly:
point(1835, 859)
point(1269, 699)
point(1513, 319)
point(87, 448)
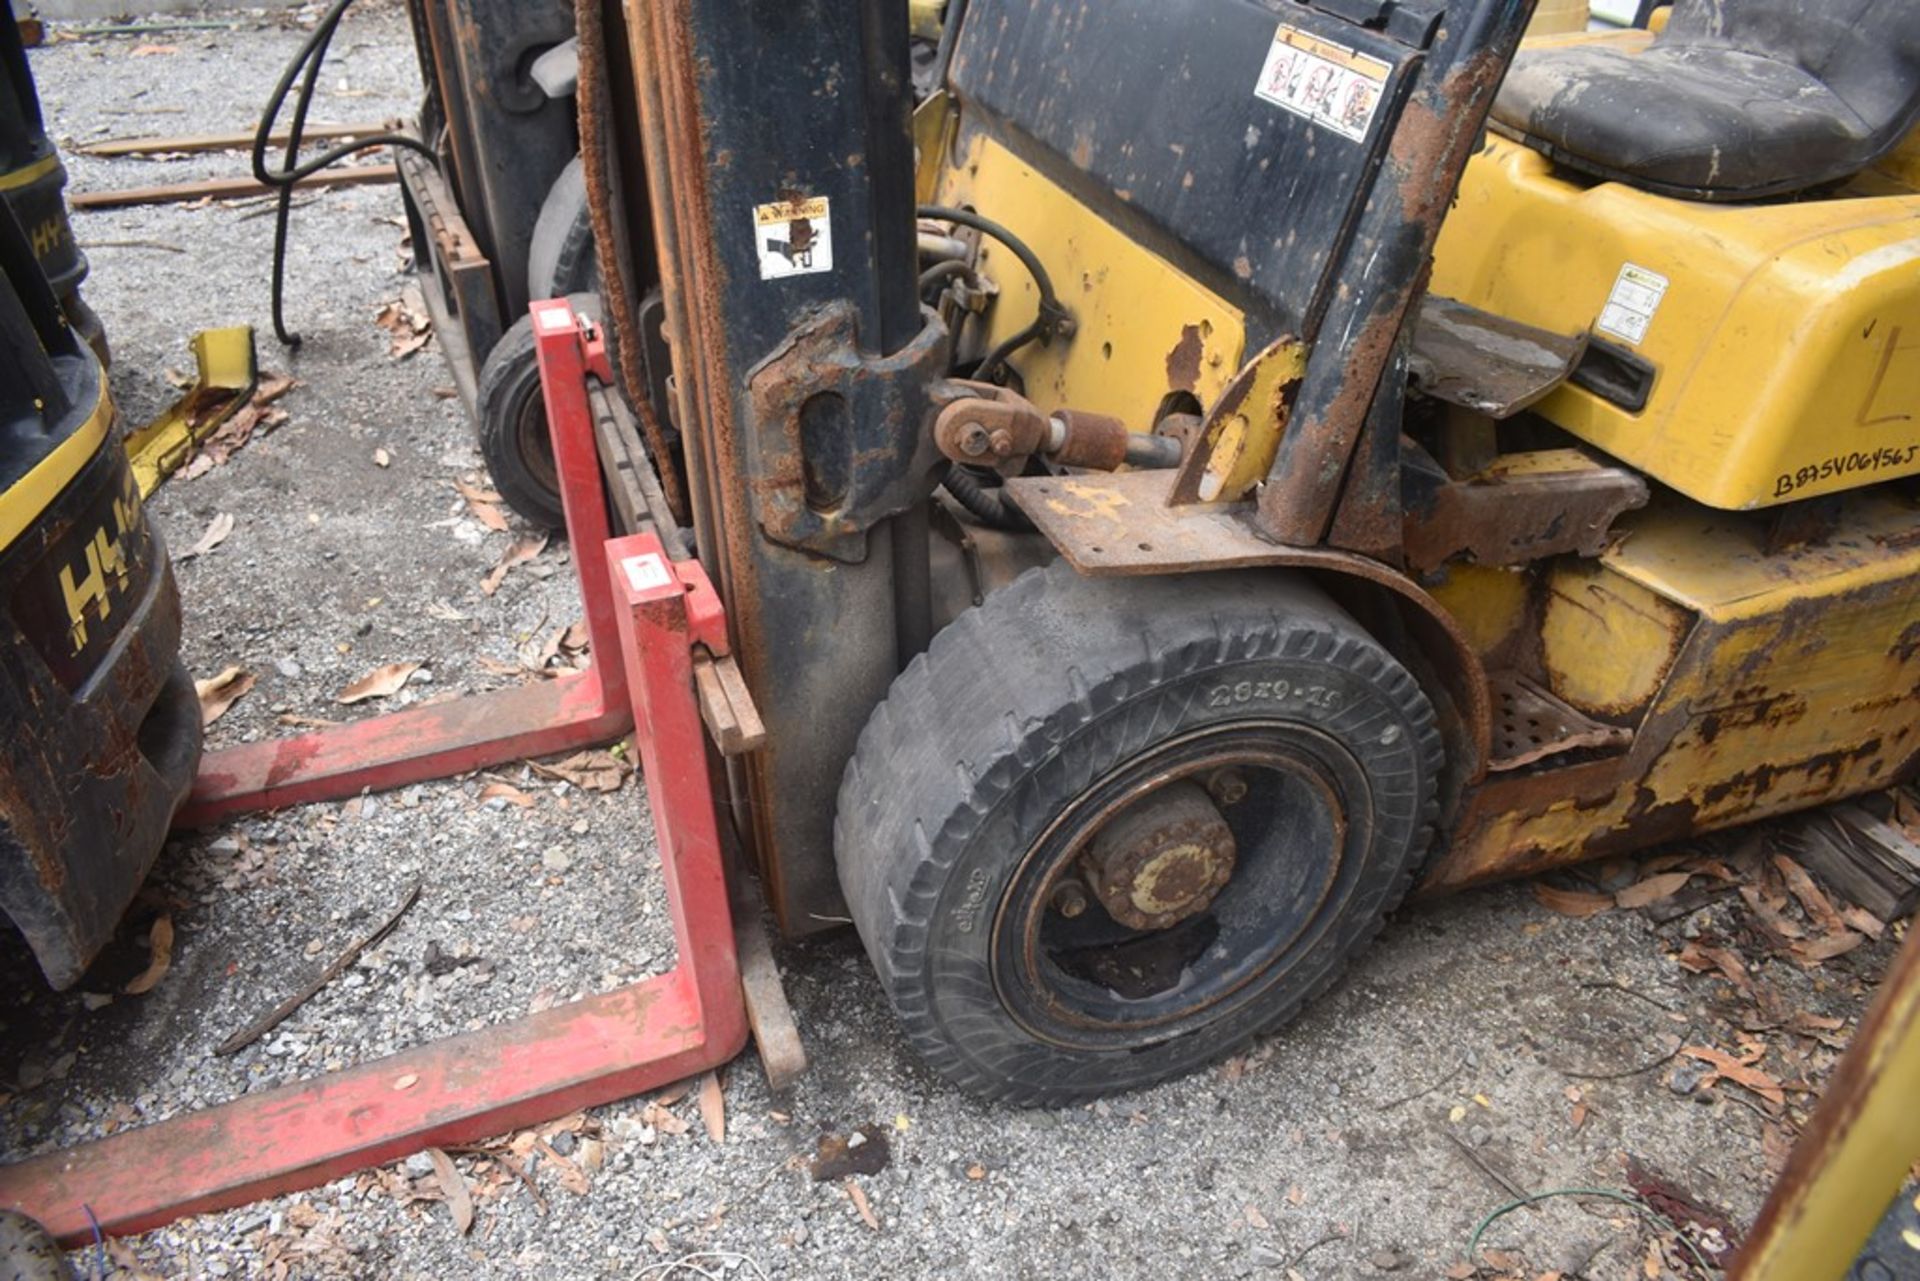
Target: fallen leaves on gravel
point(713, 1107)
point(860, 1203)
point(160, 949)
point(660, 1118)
point(1653, 889)
point(592, 771)
point(217, 533)
point(258, 414)
point(522, 550)
point(454, 1189)
point(484, 504)
point(222, 692)
point(1572, 902)
point(381, 682)
point(1743, 1074)
point(408, 325)
point(506, 792)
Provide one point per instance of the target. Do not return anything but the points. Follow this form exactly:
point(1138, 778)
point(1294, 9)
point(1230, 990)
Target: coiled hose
point(292, 171)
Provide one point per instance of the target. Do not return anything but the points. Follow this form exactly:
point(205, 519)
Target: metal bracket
point(840, 440)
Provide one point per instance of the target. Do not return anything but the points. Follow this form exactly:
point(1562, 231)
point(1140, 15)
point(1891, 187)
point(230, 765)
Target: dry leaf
point(474, 494)
point(1826, 949)
point(571, 1176)
point(381, 458)
point(454, 1188)
point(154, 50)
point(1866, 922)
point(1819, 907)
point(594, 771)
point(713, 1107)
point(160, 943)
point(1255, 1219)
point(1572, 902)
point(860, 1203)
point(381, 682)
point(406, 1081)
point(523, 549)
point(222, 692)
point(216, 534)
point(1296, 1195)
point(1653, 889)
point(407, 323)
point(512, 795)
point(657, 1116)
point(1741, 1074)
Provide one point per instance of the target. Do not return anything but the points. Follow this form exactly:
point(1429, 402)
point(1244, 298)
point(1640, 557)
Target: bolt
point(974, 440)
point(1227, 787)
point(1002, 444)
point(1069, 899)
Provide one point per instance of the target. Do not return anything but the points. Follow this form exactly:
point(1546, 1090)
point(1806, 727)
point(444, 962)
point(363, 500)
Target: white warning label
point(1632, 305)
point(794, 237)
point(1336, 87)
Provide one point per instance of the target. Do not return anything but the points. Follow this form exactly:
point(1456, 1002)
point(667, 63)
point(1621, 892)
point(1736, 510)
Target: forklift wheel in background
point(512, 422)
point(561, 259)
point(1105, 830)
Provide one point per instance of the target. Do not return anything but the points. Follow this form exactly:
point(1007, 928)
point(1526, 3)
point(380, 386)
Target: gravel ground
point(1486, 1045)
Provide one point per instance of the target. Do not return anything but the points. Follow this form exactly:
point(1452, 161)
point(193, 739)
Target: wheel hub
point(1163, 860)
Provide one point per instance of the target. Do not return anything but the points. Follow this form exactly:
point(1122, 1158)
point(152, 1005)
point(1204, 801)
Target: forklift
point(1219, 467)
point(1200, 471)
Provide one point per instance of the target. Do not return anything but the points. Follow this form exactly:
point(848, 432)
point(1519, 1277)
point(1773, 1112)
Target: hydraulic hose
point(292, 171)
point(1051, 319)
point(990, 506)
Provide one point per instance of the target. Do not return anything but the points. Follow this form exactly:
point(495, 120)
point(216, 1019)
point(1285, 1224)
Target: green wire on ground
point(1636, 1204)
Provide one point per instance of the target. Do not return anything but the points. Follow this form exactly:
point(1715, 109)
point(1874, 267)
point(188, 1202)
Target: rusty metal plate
point(1487, 363)
point(1530, 725)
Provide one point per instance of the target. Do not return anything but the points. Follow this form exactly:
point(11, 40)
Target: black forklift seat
point(1735, 100)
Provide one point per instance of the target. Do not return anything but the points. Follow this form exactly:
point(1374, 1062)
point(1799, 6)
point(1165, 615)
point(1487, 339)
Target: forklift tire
point(561, 259)
point(512, 422)
point(1106, 830)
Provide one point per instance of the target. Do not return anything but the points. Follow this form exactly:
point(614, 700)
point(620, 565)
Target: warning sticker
point(1632, 305)
point(1335, 87)
point(794, 238)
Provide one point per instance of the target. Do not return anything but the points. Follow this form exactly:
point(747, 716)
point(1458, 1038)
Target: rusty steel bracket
point(1525, 507)
point(1487, 363)
point(841, 440)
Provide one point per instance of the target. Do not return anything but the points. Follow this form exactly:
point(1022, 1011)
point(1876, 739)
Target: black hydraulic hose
point(1051, 319)
point(940, 272)
point(312, 53)
point(990, 506)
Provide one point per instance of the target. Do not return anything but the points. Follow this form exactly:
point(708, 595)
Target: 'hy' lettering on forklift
point(104, 571)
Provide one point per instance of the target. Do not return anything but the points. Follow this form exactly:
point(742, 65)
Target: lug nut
point(1227, 787)
point(1069, 899)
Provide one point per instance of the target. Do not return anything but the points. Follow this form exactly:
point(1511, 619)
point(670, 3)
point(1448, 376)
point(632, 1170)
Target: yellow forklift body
point(1783, 338)
point(1756, 682)
point(1144, 329)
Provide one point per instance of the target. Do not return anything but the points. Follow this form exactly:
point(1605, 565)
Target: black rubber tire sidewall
point(561, 257)
point(989, 735)
point(509, 385)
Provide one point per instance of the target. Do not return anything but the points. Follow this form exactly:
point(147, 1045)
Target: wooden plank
point(225, 188)
point(1868, 861)
point(198, 142)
